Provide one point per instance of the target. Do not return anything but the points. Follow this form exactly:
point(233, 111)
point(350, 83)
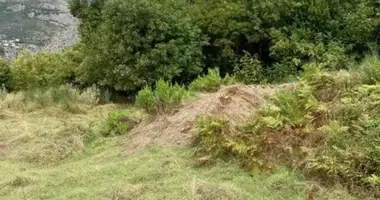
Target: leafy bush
point(215, 137)
point(153, 40)
point(163, 98)
point(230, 27)
point(211, 135)
point(249, 70)
point(39, 70)
point(285, 34)
point(5, 73)
point(210, 82)
point(119, 123)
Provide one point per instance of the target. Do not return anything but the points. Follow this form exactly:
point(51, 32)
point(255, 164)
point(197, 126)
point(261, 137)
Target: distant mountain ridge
point(35, 24)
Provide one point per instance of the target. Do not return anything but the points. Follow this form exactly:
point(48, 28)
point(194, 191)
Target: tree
point(139, 42)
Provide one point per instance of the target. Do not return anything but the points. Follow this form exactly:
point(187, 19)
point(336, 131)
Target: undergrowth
point(164, 97)
point(64, 97)
point(210, 82)
point(327, 127)
point(120, 122)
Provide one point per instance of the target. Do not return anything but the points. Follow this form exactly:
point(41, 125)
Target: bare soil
point(234, 102)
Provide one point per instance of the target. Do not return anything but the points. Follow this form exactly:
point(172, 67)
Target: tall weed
point(210, 82)
point(65, 97)
point(163, 98)
point(370, 69)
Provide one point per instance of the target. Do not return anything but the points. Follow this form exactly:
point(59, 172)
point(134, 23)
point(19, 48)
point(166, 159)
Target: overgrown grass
point(370, 69)
point(49, 155)
point(63, 97)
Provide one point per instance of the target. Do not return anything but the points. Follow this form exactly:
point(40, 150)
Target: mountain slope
point(34, 24)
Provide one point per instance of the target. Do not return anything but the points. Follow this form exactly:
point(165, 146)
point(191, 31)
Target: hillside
point(178, 99)
point(34, 24)
point(55, 152)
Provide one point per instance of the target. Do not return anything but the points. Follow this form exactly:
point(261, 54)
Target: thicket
point(130, 44)
point(127, 45)
point(326, 127)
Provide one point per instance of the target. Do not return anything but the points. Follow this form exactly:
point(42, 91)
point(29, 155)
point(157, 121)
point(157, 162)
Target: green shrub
point(249, 70)
point(211, 137)
point(215, 137)
point(119, 123)
point(39, 70)
point(174, 39)
point(5, 73)
point(370, 69)
point(210, 82)
point(153, 40)
point(163, 98)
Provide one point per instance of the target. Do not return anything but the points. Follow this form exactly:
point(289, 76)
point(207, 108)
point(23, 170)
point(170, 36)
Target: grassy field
point(54, 153)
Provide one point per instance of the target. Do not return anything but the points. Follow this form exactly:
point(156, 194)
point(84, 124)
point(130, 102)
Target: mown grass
point(54, 153)
point(160, 173)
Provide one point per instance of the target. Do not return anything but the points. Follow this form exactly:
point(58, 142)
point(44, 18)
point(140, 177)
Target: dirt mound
point(235, 102)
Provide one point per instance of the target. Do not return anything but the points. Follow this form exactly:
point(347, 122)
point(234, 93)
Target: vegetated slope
point(235, 102)
point(52, 150)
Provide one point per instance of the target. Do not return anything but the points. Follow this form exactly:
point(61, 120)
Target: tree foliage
point(139, 42)
point(285, 34)
point(40, 70)
point(133, 43)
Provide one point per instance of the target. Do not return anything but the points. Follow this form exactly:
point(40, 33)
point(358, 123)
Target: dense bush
point(286, 34)
point(163, 98)
point(151, 41)
point(166, 39)
point(40, 70)
point(249, 70)
point(5, 73)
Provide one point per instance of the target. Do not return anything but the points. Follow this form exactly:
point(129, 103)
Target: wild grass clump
point(64, 97)
point(120, 122)
point(48, 148)
point(370, 69)
point(210, 82)
point(327, 127)
point(164, 97)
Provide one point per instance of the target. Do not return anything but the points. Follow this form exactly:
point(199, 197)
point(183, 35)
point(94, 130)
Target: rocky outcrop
point(35, 25)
